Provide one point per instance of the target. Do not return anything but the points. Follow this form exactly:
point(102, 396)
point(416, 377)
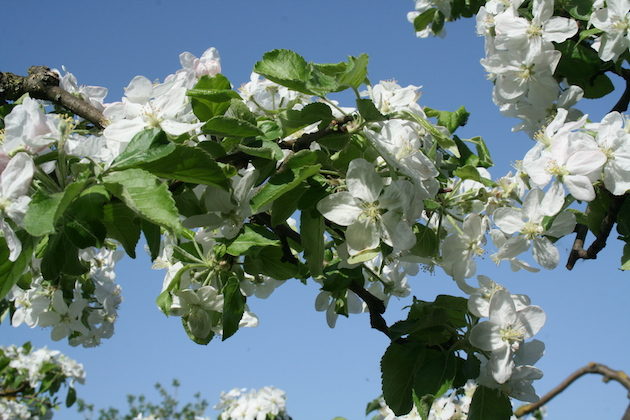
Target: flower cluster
point(267, 403)
point(87, 315)
point(30, 378)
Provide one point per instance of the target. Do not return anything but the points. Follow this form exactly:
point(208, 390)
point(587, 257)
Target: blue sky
point(325, 372)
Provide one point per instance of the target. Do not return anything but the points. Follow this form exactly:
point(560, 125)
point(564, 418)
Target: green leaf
point(44, 210)
point(71, 398)
point(427, 244)
point(368, 110)
point(61, 256)
point(233, 307)
point(356, 72)
point(294, 120)
point(82, 221)
point(434, 376)
point(470, 172)
point(625, 258)
point(397, 375)
point(230, 127)
point(489, 404)
point(450, 120)
point(424, 19)
point(216, 102)
point(283, 207)
point(265, 149)
point(153, 236)
point(11, 271)
point(312, 230)
point(146, 195)
point(146, 146)
point(597, 210)
point(579, 9)
point(282, 183)
point(581, 66)
point(187, 164)
point(270, 262)
point(213, 95)
point(252, 236)
point(123, 225)
point(286, 68)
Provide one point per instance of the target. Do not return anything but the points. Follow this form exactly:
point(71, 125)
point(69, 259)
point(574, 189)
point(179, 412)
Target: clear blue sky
point(325, 372)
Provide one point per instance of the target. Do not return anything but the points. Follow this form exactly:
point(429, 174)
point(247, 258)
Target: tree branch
point(596, 368)
point(605, 227)
point(305, 140)
point(376, 307)
point(43, 83)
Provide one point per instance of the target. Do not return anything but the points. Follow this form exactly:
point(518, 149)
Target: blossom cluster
point(87, 315)
point(267, 403)
point(25, 370)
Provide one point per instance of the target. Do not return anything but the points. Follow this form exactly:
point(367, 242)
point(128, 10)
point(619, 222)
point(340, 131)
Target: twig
point(43, 83)
point(596, 368)
point(376, 307)
point(606, 225)
point(304, 141)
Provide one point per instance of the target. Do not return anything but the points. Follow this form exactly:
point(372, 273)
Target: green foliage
point(168, 408)
point(489, 404)
point(581, 66)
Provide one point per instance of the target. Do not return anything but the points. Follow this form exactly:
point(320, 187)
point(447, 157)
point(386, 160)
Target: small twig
point(596, 368)
point(13, 392)
point(605, 227)
point(304, 141)
point(376, 307)
point(43, 83)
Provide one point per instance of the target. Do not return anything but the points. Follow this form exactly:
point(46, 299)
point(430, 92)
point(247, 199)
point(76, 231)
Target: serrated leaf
point(146, 146)
point(44, 210)
point(282, 183)
point(286, 68)
point(625, 258)
point(233, 307)
point(146, 195)
point(489, 404)
point(312, 231)
point(397, 375)
point(187, 164)
point(368, 110)
point(153, 236)
point(581, 65)
point(356, 72)
point(123, 225)
point(450, 120)
point(11, 271)
point(434, 376)
point(470, 172)
point(265, 149)
point(427, 244)
point(294, 120)
point(424, 19)
point(205, 108)
point(252, 236)
point(230, 127)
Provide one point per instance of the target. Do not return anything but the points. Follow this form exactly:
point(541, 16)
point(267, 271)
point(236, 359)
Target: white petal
point(509, 220)
point(545, 253)
point(362, 235)
point(16, 178)
point(340, 208)
point(362, 180)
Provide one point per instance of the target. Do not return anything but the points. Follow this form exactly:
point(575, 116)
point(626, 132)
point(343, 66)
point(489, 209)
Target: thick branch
point(596, 368)
point(43, 83)
point(605, 227)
